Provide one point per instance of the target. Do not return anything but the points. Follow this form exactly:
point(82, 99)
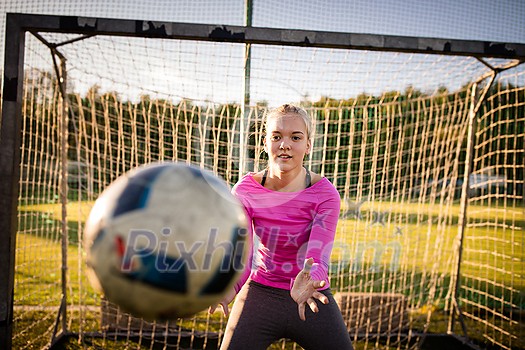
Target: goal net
point(426, 150)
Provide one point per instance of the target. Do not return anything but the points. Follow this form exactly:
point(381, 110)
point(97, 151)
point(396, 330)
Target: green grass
point(493, 261)
point(428, 238)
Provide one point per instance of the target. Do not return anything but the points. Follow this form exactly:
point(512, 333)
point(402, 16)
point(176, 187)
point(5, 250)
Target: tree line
point(364, 144)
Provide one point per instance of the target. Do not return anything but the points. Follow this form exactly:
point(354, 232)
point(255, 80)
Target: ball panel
point(172, 277)
point(216, 183)
point(153, 304)
point(227, 270)
point(136, 193)
point(101, 211)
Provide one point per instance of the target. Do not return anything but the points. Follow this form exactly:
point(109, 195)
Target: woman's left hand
point(223, 303)
point(304, 290)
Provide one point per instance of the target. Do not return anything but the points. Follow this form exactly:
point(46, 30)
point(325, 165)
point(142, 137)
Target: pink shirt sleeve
point(248, 263)
point(322, 236)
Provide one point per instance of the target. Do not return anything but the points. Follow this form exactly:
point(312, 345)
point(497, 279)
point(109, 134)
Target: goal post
point(422, 137)
point(10, 134)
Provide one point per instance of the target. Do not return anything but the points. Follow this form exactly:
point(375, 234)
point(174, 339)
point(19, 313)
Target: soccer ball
point(165, 240)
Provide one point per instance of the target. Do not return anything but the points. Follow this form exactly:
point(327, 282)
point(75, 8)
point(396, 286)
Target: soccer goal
point(423, 138)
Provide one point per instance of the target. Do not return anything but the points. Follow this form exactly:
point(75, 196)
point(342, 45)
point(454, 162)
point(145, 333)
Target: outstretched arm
point(321, 240)
point(314, 275)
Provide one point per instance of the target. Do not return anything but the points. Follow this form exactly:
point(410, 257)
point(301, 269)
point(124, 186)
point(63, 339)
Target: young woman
point(294, 215)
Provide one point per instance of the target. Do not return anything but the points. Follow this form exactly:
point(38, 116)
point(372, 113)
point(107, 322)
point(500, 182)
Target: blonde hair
point(291, 109)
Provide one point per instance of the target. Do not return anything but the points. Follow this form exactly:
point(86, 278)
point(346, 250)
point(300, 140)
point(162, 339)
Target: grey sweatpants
point(262, 315)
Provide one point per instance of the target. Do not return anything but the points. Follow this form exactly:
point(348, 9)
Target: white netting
point(391, 134)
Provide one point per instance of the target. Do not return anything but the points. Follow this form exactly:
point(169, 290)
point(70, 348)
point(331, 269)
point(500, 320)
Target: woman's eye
point(276, 138)
point(296, 138)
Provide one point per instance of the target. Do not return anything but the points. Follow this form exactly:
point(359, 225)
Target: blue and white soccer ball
point(166, 240)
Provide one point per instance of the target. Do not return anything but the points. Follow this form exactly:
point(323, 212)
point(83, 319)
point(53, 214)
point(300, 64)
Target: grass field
point(417, 257)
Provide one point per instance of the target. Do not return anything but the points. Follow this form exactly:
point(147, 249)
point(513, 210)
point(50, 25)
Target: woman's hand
point(304, 290)
point(224, 303)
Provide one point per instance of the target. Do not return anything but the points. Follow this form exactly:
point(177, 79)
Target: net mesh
point(38, 279)
point(390, 134)
point(493, 265)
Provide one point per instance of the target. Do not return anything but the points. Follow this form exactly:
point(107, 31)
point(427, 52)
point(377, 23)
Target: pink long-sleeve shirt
point(287, 228)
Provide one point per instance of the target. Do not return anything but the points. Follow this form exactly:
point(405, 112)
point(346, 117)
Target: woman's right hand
point(304, 290)
point(223, 303)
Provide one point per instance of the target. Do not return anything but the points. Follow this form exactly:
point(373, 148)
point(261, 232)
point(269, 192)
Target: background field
point(353, 268)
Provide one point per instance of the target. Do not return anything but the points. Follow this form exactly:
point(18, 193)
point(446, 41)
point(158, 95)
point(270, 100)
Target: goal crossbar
point(266, 36)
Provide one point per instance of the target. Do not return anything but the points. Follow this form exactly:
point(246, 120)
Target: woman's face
point(286, 142)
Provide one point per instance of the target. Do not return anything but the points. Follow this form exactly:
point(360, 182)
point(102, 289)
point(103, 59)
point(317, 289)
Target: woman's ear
point(308, 147)
point(265, 147)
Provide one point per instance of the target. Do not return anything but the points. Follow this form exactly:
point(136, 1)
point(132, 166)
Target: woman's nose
point(284, 145)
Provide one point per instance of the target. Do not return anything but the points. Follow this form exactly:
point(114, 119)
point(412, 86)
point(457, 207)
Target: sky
point(281, 73)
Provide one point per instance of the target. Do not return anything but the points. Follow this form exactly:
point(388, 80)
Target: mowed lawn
point(402, 239)
point(425, 237)
point(408, 248)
